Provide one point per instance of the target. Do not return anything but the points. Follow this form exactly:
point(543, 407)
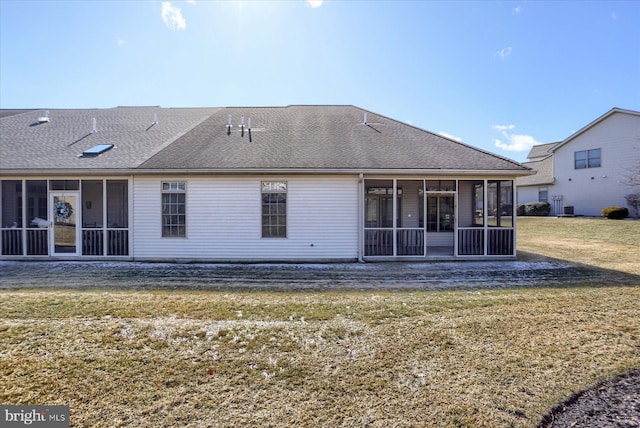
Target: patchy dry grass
point(490, 358)
point(608, 244)
point(431, 358)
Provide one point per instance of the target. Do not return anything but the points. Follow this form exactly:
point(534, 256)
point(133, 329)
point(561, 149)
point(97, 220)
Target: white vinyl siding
point(225, 220)
point(589, 190)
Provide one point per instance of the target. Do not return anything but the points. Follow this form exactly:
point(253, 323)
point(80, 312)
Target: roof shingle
point(294, 137)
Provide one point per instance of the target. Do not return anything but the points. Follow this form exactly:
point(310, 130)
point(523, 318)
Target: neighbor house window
point(587, 159)
point(174, 209)
point(274, 209)
point(543, 194)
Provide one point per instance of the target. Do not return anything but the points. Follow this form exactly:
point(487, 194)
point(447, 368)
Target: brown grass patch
point(490, 358)
point(455, 358)
point(608, 244)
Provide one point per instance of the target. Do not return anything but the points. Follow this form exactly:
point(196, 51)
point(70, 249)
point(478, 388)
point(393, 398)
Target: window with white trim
point(274, 209)
point(543, 194)
point(174, 209)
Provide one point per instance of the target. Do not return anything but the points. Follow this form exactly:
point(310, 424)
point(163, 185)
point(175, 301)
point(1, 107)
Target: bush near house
point(634, 203)
point(615, 212)
point(538, 209)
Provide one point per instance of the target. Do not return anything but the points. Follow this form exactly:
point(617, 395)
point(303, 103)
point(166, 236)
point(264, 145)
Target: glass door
point(64, 206)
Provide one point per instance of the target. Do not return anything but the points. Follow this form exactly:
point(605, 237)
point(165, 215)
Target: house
point(589, 170)
point(296, 183)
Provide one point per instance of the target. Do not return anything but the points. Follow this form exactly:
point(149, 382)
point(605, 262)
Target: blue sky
point(497, 75)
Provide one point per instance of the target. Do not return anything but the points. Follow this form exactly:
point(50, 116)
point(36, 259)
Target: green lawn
point(361, 358)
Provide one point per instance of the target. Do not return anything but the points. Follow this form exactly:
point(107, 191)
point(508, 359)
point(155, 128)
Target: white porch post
point(395, 215)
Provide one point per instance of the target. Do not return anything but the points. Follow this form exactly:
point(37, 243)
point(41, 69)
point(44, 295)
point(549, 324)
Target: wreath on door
point(62, 210)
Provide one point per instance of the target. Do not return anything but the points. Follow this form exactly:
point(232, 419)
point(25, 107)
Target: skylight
point(97, 150)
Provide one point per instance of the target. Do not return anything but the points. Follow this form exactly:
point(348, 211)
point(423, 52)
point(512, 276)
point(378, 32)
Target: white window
point(174, 217)
point(543, 194)
point(274, 209)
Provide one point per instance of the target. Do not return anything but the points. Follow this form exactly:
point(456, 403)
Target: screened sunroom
point(438, 218)
point(61, 217)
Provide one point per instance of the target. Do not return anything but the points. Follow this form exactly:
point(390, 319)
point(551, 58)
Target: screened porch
point(425, 218)
point(64, 218)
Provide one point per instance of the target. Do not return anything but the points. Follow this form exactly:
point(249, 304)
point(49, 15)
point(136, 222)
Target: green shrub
point(520, 210)
point(615, 212)
point(538, 209)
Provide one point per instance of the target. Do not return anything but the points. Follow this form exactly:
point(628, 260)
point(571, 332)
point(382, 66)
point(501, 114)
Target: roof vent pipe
point(365, 118)
point(155, 118)
point(95, 123)
point(242, 125)
point(44, 118)
point(229, 126)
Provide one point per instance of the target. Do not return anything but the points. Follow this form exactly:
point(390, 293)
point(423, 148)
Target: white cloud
point(503, 128)
point(315, 3)
point(172, 17)
point(517, 9)
point(514, 142)
point(503, 53)
point(449, 136)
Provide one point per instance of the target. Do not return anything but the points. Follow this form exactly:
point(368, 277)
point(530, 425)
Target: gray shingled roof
point(281, 138)
point(541, 151)
point(318, 137)
point(25, 144)
point(544, 173)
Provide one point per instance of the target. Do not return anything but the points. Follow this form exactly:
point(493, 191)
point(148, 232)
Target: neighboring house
point(297, 183)
point(589, 170)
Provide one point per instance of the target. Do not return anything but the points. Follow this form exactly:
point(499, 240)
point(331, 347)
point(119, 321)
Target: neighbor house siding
point(528, 194)
point(224, 219)
point(591, 189)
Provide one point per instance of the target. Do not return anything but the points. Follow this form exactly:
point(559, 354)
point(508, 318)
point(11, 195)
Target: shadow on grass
point(529, 270)
point(577, 274)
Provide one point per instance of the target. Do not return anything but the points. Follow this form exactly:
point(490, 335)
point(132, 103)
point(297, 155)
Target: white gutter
point(263, 171)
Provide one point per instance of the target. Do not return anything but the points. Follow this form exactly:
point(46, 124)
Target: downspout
point(360, 220)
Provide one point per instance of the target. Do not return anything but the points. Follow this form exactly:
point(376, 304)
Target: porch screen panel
point(118, 217)
point(37, 214)
point(500, 203)
point(92, 204)
point(11, 204)
point(117, 204)
point(410, 233)
point(92, 217)
point(379, 232)
point(11, 217)
point(501, 235)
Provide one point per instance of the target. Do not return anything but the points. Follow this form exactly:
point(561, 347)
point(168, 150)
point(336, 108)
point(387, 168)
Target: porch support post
point(485, 216)
point(105, 233)
point(361, 217)
point(395, 215)
point(130, 228)
point(25, 221)
point(456, 213)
